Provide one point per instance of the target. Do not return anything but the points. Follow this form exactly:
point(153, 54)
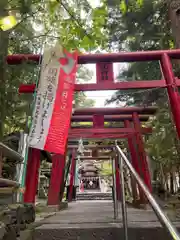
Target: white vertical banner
point(53, 106)
point(46, 94)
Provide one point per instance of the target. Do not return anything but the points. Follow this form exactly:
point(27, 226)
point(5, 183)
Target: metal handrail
point(115, 204)
point(164, 220)
point(123, 198)
point(8, 152)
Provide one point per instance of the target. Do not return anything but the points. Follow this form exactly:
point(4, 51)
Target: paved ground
point(94, 220)
point(86, 212)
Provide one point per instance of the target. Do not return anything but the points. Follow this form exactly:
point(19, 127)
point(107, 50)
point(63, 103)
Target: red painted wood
point(101, 130)
point(25, 88)
point(135, 163)
point(98, 136)
point(118, 184)
point(113, 111)
point(172, 90)
point(141, 151)
point(95, 152)
point(98, 121)
point(72, 176)
point(108, 57)
point(144, 130)
point(32, 175)
point(57, 179)
point(145, 84)
point(109, 118)
point(104, 72)
point(95, 131)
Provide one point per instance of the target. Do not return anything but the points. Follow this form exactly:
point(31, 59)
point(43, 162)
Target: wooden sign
point(104, 72)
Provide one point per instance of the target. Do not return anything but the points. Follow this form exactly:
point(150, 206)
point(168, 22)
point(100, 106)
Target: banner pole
point(28, 124)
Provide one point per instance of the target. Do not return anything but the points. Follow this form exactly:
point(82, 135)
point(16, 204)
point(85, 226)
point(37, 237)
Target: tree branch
point(78, 21)
point(24, 19)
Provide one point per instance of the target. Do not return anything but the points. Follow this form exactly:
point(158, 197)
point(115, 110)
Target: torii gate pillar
point(32, 175)
point(141, 152)
point(57, 179)
point(135, 163)
point(172, 90)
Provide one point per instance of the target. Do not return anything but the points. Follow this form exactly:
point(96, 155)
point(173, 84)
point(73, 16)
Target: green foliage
point(145, 26)
point(106, 168)
point(128, 6)
point(75, 24)
point(163, 145)
point(82, 101)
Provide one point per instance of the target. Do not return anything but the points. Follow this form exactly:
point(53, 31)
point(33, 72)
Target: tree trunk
point(155, 175)
point(167, 182)
point(4, 37)
point(172, 182)
point(174, 17)
point(1, 163)
point(176, 143)
point(163, 181)
point(179, 176)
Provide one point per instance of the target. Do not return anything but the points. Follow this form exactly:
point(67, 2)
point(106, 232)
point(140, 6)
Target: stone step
point(98, 232)
point(94, 220)
point(94, 196)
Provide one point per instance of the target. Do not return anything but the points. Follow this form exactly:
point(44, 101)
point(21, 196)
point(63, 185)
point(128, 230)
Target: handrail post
point(114, 190)
point(123, 198)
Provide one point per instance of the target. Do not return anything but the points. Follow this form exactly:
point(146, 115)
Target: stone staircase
point(93, 220)
point(93, 196)
point(99, 232)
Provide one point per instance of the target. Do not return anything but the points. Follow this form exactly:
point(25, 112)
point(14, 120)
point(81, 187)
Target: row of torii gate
point(130, 116)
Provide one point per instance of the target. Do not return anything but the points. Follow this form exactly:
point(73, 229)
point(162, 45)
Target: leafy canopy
point(75, 24)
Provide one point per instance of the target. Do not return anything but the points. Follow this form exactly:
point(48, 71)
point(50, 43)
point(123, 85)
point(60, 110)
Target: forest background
point(93, 26)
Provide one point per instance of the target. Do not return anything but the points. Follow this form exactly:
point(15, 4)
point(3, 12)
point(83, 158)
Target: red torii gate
point(164, 56)
point(105, 82)
point(128, 132)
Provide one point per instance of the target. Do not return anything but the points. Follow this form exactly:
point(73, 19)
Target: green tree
point(148, 27)
point(75, 24)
